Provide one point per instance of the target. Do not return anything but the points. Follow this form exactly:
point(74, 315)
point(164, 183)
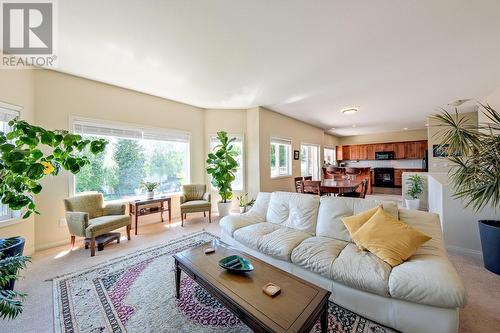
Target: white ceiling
point(396, 60)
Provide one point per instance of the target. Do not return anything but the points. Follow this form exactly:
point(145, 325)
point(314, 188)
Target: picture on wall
point(442, 151)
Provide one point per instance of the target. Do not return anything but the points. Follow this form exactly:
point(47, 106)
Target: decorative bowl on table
point(236, 264)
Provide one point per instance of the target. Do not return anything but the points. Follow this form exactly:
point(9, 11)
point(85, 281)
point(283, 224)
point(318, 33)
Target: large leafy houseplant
point(27, 154)
point(474, 150)
point(222, 166)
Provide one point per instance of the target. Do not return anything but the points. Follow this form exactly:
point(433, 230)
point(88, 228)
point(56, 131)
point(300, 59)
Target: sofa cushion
point(294, 210)
point(317, 254)
point(362, 270)
point(281, 242)
point(101, 225)
point(251, 235)
point(332, 209)
point(256, 214)
point(427, 279)
point(388, 238)
point(429, 224)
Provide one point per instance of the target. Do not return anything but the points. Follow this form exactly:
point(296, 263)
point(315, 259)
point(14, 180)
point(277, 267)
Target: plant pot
point(150, 194)
point(224, 208)
point(413, 204)
point(13, 250)
point(242, 209)
point(489, 231)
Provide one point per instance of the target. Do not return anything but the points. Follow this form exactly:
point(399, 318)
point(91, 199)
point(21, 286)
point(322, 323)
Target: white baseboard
point(51, 245)
point(465, 251)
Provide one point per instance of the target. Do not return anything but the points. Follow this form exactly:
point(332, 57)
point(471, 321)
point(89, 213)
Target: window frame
point(13, 217)
point(316, 170)
point(276, 140)
point(240, 137)
point(131, 127)
point(334, 153)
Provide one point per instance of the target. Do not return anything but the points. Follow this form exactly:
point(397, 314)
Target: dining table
point(339, 186)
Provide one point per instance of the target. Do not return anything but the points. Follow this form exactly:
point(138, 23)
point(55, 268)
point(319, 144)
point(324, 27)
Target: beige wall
point(273, 124)
point(330, 141)
point(60, 96)
point(17, 88)
point(253, 152)
point(410, 135)
point(441, 164)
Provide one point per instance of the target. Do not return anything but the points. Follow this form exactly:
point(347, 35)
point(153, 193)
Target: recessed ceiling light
point(426, 125)
point(353, 125)
point(406, 128)
point(459, 102)
point(333, 128)
point(349, 110)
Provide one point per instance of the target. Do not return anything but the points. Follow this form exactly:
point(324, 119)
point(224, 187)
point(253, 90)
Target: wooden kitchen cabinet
point(421, 148)
point(346, 153)
point(411, 150)
point(398, 177)
point(370, 152)
point(399, 150)
point(362, 152)
point(354, 152)
point(338, 153)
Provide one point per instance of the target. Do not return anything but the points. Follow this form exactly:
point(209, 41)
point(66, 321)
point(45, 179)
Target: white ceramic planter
point(413, 204)
point(242, 209)
point(224, 208)
point(150, 194)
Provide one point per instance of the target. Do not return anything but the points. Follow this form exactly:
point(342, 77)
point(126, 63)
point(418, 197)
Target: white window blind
point(87, 128)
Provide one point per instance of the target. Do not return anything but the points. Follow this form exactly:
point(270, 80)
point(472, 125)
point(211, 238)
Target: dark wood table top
point(296, 308)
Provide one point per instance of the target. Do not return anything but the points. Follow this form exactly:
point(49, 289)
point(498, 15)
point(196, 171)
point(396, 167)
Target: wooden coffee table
point(296, 309)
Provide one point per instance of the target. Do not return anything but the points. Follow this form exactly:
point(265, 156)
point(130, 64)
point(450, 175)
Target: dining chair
point(298, 184)
point(307, 178)
point(353, 171)
point(361, 194)
point(311, 187)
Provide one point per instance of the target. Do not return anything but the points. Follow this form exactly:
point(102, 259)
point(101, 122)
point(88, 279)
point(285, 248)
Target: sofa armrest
point(114, 209)
point(230, 223)
point(77, 223)
point(182, 198)
point(207, 196)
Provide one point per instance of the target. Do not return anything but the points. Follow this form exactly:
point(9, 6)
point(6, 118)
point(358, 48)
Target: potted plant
point(150, 188)
point(242, 202)
point(222, 166)
point(11, 262)
point(475, 172)
point(415, 188)
point(27, 154)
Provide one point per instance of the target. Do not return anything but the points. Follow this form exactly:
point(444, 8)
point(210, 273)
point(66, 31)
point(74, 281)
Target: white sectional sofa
point(303, 234)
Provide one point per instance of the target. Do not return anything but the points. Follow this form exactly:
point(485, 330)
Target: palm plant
point(10, 300)
point(475, 155)
point(222, 166)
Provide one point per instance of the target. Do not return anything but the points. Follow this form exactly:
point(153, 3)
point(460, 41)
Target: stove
point(384, 177)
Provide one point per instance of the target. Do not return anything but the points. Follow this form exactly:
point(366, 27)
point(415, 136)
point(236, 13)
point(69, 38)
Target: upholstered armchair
point(195, 199)
point(87, 216)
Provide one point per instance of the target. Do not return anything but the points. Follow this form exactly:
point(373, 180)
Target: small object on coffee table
point(271, 289)
point(236, 264)
point(209, 250)
point(103, 240)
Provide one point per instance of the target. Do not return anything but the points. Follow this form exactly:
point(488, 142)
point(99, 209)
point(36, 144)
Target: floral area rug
point(135, 293)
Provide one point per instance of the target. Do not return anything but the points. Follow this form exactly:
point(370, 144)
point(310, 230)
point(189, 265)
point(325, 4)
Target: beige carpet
point(482, 313)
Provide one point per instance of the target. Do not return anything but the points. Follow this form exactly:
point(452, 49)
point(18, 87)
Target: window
point(5, 116)
point(309, 162)
point(329, 155)
point(238, 146)
point(281, 157)
point(132, 156)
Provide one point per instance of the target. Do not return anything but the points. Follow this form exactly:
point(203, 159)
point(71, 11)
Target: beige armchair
point(195, 199)
point(87, 216)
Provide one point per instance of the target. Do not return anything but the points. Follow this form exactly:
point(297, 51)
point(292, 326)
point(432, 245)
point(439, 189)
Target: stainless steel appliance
point(384, 155)
point(384, 177)
point(425, 161)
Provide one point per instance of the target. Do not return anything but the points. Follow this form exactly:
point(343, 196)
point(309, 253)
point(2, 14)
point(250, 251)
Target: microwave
point(384, 155)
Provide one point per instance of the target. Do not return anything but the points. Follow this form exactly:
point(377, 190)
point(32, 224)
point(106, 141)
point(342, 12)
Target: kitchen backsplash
point(398, 164)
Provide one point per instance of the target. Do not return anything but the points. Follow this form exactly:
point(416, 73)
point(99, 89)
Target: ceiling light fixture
point(459, 102)
point(406, 128)
point(349, 110)
point(333, 128)
point(354, 125)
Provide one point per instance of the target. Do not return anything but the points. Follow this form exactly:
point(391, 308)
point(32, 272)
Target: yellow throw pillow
point(354, 222)
point(388, 238)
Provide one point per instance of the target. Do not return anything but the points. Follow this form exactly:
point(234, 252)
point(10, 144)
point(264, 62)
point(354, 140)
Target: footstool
point(103, 240)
